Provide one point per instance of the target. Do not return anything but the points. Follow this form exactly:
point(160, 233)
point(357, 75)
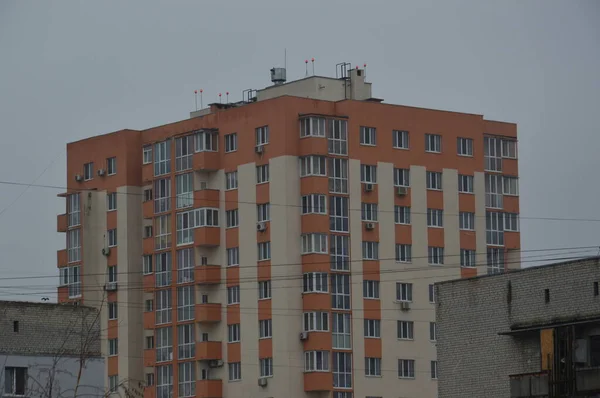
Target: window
point(147, 264)
point(263, 212)
point(511, 186)
point(493, 191)
point(314, 204)
point(149, 305)
point(147, 154)
point(162, 195)
point(400, 139)
point(464, 146)
point(495, 260)
point(371, 289)
point(402, 214)
point(186, 341)
point(404, 291)
point(112, 310)
point(265, 328)
point(338, 214)
point(231, 142)
point(232, 219)
point(313, 243)
point(342, 369)
point(340, 291)
point(432, 293)
point(262, 174)
point(206, 141)
point(403, 253)
point(113, 383)
point(509, 149)
point(163, 263)
point(262, 135)
point(316, 361)
point(231, 180)
point(235, 371)
point(111, 201)
point(435, 255)
point(264, 251)
point(184, 149)
point(337, 137)
point(264, 290)
point(368, 174)
point(467, 258)
point(434, 180)
point(368, 136)
point(185, 190)
point(406, 368)
point(372, 328)
point(372, 366)
point(313, 166)
point(339, 253)
point(465, 184)
point(233, 256)
point(266, 367)
point(187, 379)
point(433, 143)
point(511, 222)
point(113, 347)
point(406, 330)
point(312, 127)
point(370, 250)
point(494, 226)
point(88, 171)
point(149, 379)
point(185, 303)
point(164, 344)
point(341, 338)
point(435, 218)
point(466, 221)
point(233, 333)
point(316, 322)
point(147, 195)
point(15, 381)
point(111, 166)
point(73, 210)
point(162, 158)
point(434, 370)
point(402, 177)
point(369, 212)
point(314, 282)
point(73, 246)
point(163, 306)
point(492, 153)
point(71, 277)
point(164, 381)
point(233, 295)
point(338, 175)
point(112, 237)
point(112, 273)
point(185, 225)
point(432, 331)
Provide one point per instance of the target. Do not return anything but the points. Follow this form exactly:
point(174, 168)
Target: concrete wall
point(473, 360)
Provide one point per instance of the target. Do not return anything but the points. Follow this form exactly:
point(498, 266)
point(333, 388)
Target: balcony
point(318, 381)
point(61, 258)
point(588, 380)
point(148, 209)
point(529, 385)
point(207, 236)
point(207, 274)
point(206, 161)
point(61, 223)
point(206, 198)
point(208, 350)
point(209, 388)
point(148, 245)
point(208, 312)
point(149, 357)
point(149, 320)
point(313, 146)
point(148, 282)
point(147, 173)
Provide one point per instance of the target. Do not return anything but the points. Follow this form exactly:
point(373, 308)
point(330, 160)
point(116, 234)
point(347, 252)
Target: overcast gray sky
point(74, 69)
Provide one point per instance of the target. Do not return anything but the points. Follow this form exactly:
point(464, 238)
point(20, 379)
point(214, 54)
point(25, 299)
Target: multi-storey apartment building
point(286, 245)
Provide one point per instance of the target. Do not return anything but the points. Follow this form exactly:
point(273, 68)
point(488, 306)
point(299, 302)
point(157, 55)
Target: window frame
point(464, 147)
point(433, 143)
point(401, 139)
point(368, 136)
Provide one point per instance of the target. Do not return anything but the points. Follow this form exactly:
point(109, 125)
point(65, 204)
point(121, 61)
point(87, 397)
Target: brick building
point(286, 245)
point(534, 332)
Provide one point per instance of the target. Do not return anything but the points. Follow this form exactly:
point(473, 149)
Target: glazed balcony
point(147, 172)
point(207, 274)
point(313, 146)
point(148, 209)
point(61, 258)
point(61, 223)
point(208, 312)
point(207, 236)
point(529, 385)
point(209, 350)
point(318, 381)
point(206, 161)
point(206, 198)
point(149, 320)
point(209, 388)
point(149, 357)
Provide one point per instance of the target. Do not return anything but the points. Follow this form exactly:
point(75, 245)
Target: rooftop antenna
point(196, 98)
point(285, 58)
point(306, 67)
point(219, 98)
point(227, 94)
point(365, 67)
point(313, 65)
point(201, 91)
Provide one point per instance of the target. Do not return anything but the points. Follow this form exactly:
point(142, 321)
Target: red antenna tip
point(305, 61)
point(195, 91)
point(356, 66)
point(219, 94)
point(227, 93)
point(313, 60)
point(201, 90)
point(365, 65)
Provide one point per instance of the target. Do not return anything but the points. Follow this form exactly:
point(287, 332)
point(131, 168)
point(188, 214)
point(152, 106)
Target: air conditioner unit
point(405, 306)
point(262, 382)
point(304, 336)
point(101, 172)
point(259, 149)
point(261, 227)
point(370, 226)
point(106, 251)
point(402, 191)
point(368, 187)
point(78, 177)
point(110, 286)
point(215, 363)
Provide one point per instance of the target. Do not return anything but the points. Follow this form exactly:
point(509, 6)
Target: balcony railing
point(529, 385)
point(588, 380)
